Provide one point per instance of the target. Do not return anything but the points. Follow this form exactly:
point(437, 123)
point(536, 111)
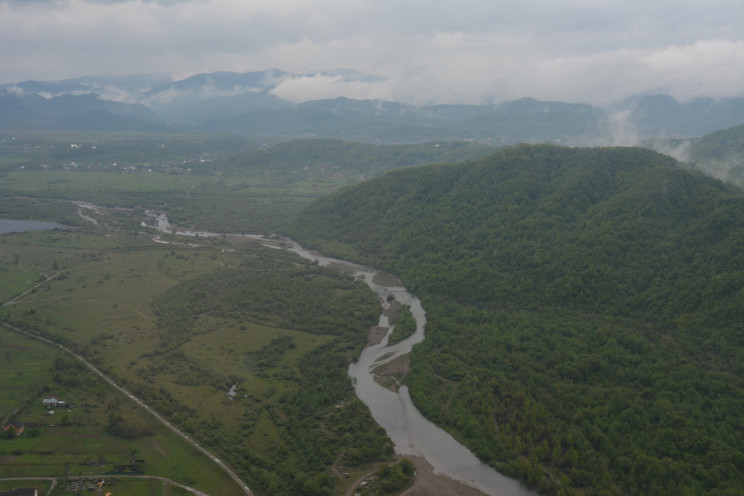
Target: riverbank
point(427, 483)
point(391, 311)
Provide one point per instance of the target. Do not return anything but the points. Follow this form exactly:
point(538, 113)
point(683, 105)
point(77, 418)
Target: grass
point(67, 184)
point(26, 258)
point(24, 369)
point(100, 306)
point(66, 443)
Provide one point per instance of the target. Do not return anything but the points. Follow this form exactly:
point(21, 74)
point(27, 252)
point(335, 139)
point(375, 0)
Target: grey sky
point(429, 51)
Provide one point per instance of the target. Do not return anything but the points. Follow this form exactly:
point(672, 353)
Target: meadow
point(74, 440)
point(94, 290)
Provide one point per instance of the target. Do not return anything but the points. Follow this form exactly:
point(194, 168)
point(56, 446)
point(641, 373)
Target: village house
point(16, 427)
point(52, 402)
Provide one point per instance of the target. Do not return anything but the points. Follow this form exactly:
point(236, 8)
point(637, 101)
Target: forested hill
point(721, 154)
point(601, 229)
point(585, 311)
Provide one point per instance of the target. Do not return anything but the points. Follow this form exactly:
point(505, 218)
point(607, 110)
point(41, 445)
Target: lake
point(15, 226)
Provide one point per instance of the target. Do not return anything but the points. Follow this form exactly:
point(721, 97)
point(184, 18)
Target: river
point(411, 433)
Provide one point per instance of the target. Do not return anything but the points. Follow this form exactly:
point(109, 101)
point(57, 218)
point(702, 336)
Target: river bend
point(411, 433)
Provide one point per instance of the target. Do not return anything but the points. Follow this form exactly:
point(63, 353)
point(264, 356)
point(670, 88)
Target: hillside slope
point(585, 311)
point(720, 154)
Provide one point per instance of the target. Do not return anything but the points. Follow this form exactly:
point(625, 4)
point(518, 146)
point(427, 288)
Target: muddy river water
point(410, 431)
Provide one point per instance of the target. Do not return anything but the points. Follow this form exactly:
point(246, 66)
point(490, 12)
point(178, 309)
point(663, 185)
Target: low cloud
point(474, 51)
point(321, 87)
point(14, 90)
point(622, 129)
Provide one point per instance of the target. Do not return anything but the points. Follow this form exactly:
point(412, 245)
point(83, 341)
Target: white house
point(52, 401)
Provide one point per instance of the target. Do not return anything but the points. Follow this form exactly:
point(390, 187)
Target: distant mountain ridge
point(76, 112)
point(665, 116)
point(239, 103)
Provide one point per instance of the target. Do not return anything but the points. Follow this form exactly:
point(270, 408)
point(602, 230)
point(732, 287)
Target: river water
point(411, 433)
point(10, 226)
point(409, 430)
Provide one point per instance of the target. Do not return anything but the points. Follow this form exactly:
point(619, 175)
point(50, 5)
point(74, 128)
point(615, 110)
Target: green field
point(24, 370)
point(73, 441)
point(101, 303)
point(180, 322)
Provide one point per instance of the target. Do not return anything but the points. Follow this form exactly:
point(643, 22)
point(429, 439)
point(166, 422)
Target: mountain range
point(250, 103)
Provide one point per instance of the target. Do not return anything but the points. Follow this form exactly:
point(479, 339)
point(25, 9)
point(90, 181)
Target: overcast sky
point(428, 51)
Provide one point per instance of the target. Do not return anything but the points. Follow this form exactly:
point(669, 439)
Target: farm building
point(52, 401)
point(15, 426)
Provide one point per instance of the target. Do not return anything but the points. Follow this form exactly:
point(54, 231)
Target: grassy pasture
point(104, 292)
point(74, 441)
point(100, 305)
point(224, 349)
point(71, 184)
point(24, 369)
point(287, 424)
point(25, 258)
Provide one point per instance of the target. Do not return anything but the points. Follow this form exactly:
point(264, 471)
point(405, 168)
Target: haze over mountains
point(258, 103)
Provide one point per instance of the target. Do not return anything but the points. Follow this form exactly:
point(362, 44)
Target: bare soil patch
point(429, 484)
point(392, 374)
point(385, 279)
point(376, 333)
point(398, 367)
point(393, 310)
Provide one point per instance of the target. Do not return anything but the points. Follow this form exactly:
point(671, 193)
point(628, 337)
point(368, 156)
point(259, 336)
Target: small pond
point(14, 226)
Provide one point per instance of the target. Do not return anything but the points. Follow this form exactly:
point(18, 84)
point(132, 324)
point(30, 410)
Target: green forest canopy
point(585, 311)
